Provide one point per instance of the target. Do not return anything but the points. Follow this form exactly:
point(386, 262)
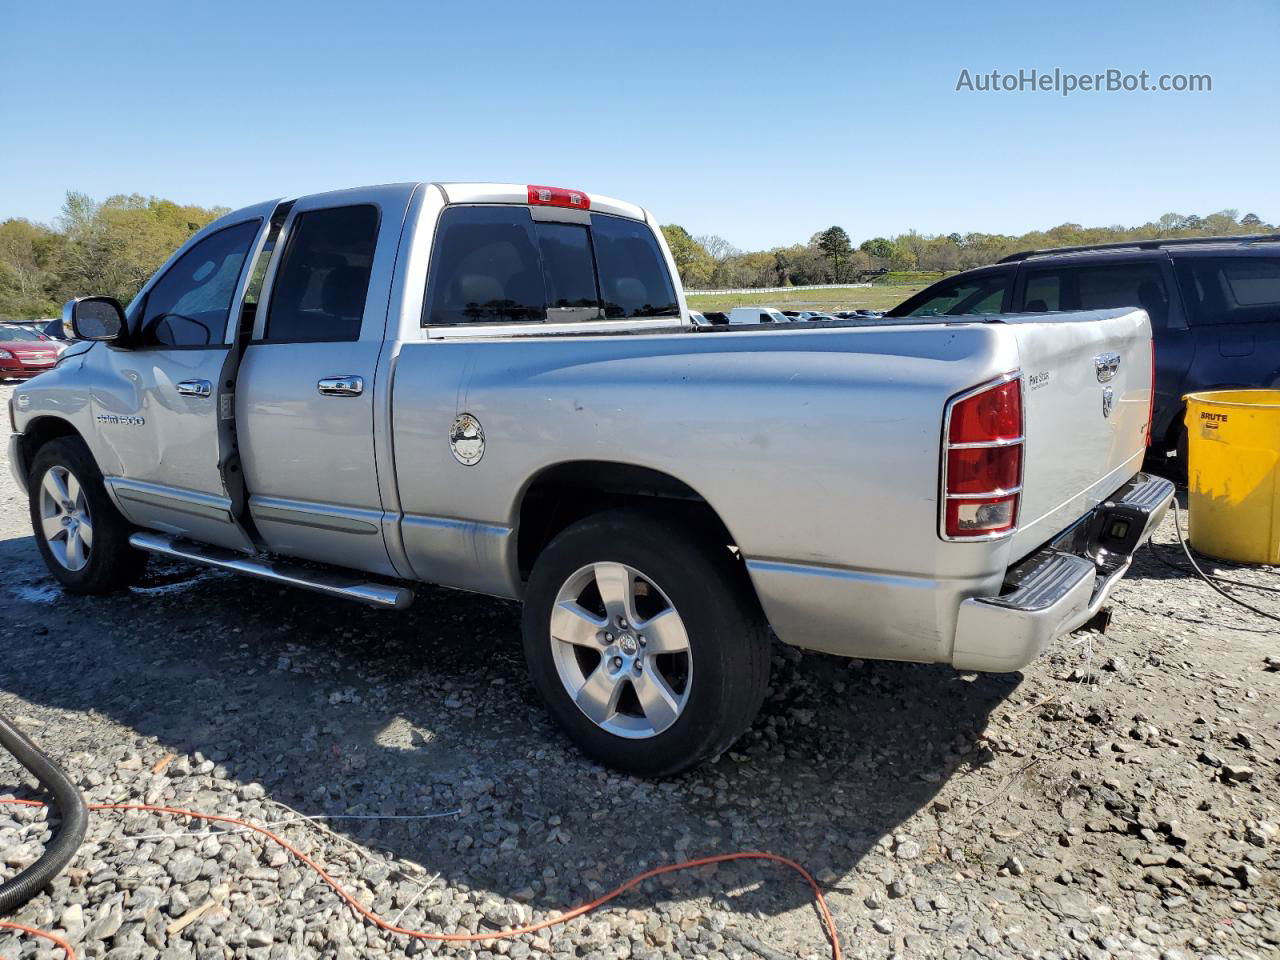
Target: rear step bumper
point(289, 574)
point(1063, 584)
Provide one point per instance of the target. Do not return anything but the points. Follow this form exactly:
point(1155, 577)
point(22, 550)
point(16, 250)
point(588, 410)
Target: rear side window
point(1230, 289)
point(498, 265)
point(960, 297)
point(1098, 287)
point(323, 279)
point(188, 306)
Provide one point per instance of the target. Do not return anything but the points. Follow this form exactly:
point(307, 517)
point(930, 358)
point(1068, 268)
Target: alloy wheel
point(621, 650)
point(65, 520)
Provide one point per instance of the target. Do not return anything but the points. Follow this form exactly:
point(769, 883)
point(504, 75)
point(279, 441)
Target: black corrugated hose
point(66, 800)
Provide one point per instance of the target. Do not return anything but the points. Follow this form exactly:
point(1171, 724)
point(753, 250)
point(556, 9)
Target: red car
point(23, 354)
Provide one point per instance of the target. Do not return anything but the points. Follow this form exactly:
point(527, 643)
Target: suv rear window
point(1230, 289)
point(498, 265)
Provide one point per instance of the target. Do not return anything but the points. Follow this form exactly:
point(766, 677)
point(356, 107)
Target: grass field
point(879, 297)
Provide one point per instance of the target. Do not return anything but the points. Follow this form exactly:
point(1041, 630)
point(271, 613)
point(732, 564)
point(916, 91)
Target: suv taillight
point(982, 461)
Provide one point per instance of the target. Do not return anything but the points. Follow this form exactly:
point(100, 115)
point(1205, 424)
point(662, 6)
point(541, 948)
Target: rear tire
point(677, 682)
point(82, 537)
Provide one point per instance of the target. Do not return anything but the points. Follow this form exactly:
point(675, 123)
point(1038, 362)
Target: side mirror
point(93, 318)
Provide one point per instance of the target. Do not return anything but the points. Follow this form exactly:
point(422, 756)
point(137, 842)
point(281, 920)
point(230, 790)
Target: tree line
point(711, 262)
point(111, 247)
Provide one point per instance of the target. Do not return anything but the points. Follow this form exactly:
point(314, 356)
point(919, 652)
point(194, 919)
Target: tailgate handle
point(1106, 365)
point(348, 386)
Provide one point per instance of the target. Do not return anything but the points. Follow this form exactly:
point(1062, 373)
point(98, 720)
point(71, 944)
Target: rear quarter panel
point(819, 449)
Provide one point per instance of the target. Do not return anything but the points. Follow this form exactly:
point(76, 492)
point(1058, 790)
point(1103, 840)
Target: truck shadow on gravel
point(337, 709)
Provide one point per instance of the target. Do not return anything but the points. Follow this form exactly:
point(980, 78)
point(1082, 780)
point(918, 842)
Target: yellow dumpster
point(1233, 474)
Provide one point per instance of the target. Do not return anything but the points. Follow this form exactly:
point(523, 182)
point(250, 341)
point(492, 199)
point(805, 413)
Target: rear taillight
point(982, 461)
point(559, 197)
point(1151, 402)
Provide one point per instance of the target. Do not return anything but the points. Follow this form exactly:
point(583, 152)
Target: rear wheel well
point(564, 494)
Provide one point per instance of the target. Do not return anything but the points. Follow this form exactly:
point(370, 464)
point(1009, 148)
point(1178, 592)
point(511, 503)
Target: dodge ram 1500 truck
point(497, 388)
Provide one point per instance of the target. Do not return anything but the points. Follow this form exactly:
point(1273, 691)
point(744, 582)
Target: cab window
point(320, 287)
point(189, 304)
point(634, 281)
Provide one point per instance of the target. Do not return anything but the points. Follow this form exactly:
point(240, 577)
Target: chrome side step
point(293, 575)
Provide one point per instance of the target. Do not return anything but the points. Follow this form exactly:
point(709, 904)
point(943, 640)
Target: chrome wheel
point(621, 650)
point(64, 518)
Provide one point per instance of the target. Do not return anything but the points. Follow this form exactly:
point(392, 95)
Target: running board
point(293, 575)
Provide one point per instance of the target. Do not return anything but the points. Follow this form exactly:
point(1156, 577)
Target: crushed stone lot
point(1120, 798)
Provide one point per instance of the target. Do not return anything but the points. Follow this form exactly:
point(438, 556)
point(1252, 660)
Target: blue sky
point(762, 122)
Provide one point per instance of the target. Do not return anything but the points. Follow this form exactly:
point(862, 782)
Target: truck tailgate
point(1086, 397)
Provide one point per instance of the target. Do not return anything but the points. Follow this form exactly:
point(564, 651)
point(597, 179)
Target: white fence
point(817, 286)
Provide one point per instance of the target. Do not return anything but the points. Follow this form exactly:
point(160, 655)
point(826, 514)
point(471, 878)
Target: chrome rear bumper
point(1063, 584)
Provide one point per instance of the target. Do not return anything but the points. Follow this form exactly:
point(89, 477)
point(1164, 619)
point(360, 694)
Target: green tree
point(692, 260)
point(113, 247)
point(1250, 220)
point(26, 250)
point(878, 248)
point(836, 247)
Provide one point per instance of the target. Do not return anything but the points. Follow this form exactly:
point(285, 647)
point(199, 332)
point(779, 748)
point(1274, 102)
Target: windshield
point(17, 333)
point(961, 296)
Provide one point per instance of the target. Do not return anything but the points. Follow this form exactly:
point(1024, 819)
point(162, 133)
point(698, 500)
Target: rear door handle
point(348, 386)
point(195, 388)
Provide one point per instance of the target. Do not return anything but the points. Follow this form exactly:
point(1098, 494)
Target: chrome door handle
point(195, 388)
point(348, 386)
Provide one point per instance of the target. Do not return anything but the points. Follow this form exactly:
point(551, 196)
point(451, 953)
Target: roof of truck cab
point(519, 193)
point(455, 192)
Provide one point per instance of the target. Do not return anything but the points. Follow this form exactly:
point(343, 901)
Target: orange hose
point(823, 910)
point(66, 947)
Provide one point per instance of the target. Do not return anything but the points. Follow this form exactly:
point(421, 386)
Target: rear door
point(308, 391)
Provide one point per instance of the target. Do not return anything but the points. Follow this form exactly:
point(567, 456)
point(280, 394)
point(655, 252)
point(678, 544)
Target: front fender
point(18, 462)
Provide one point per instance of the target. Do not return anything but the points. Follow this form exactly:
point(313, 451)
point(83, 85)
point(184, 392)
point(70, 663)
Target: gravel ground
point(1118, 799)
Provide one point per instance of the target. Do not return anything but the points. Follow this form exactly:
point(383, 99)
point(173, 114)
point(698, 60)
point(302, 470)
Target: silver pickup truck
point(497, 388)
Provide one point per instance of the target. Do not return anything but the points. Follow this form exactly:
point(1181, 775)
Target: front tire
point(82, 537)
point(645, 643)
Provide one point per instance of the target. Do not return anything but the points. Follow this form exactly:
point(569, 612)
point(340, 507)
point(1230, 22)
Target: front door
point(306, 398)
point(163, 405)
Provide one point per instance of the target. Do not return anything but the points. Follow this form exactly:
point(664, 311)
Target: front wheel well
point(41, 431)
point(564, 494)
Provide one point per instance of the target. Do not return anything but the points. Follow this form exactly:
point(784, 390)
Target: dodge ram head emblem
point(1108, 401)
point(466, 439)
point(1106, 365)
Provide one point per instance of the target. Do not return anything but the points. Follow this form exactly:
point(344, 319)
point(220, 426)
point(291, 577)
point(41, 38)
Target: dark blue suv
point(1214, 304)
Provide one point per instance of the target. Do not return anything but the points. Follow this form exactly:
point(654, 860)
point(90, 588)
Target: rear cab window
point(1223, 290)
point(497, 265)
